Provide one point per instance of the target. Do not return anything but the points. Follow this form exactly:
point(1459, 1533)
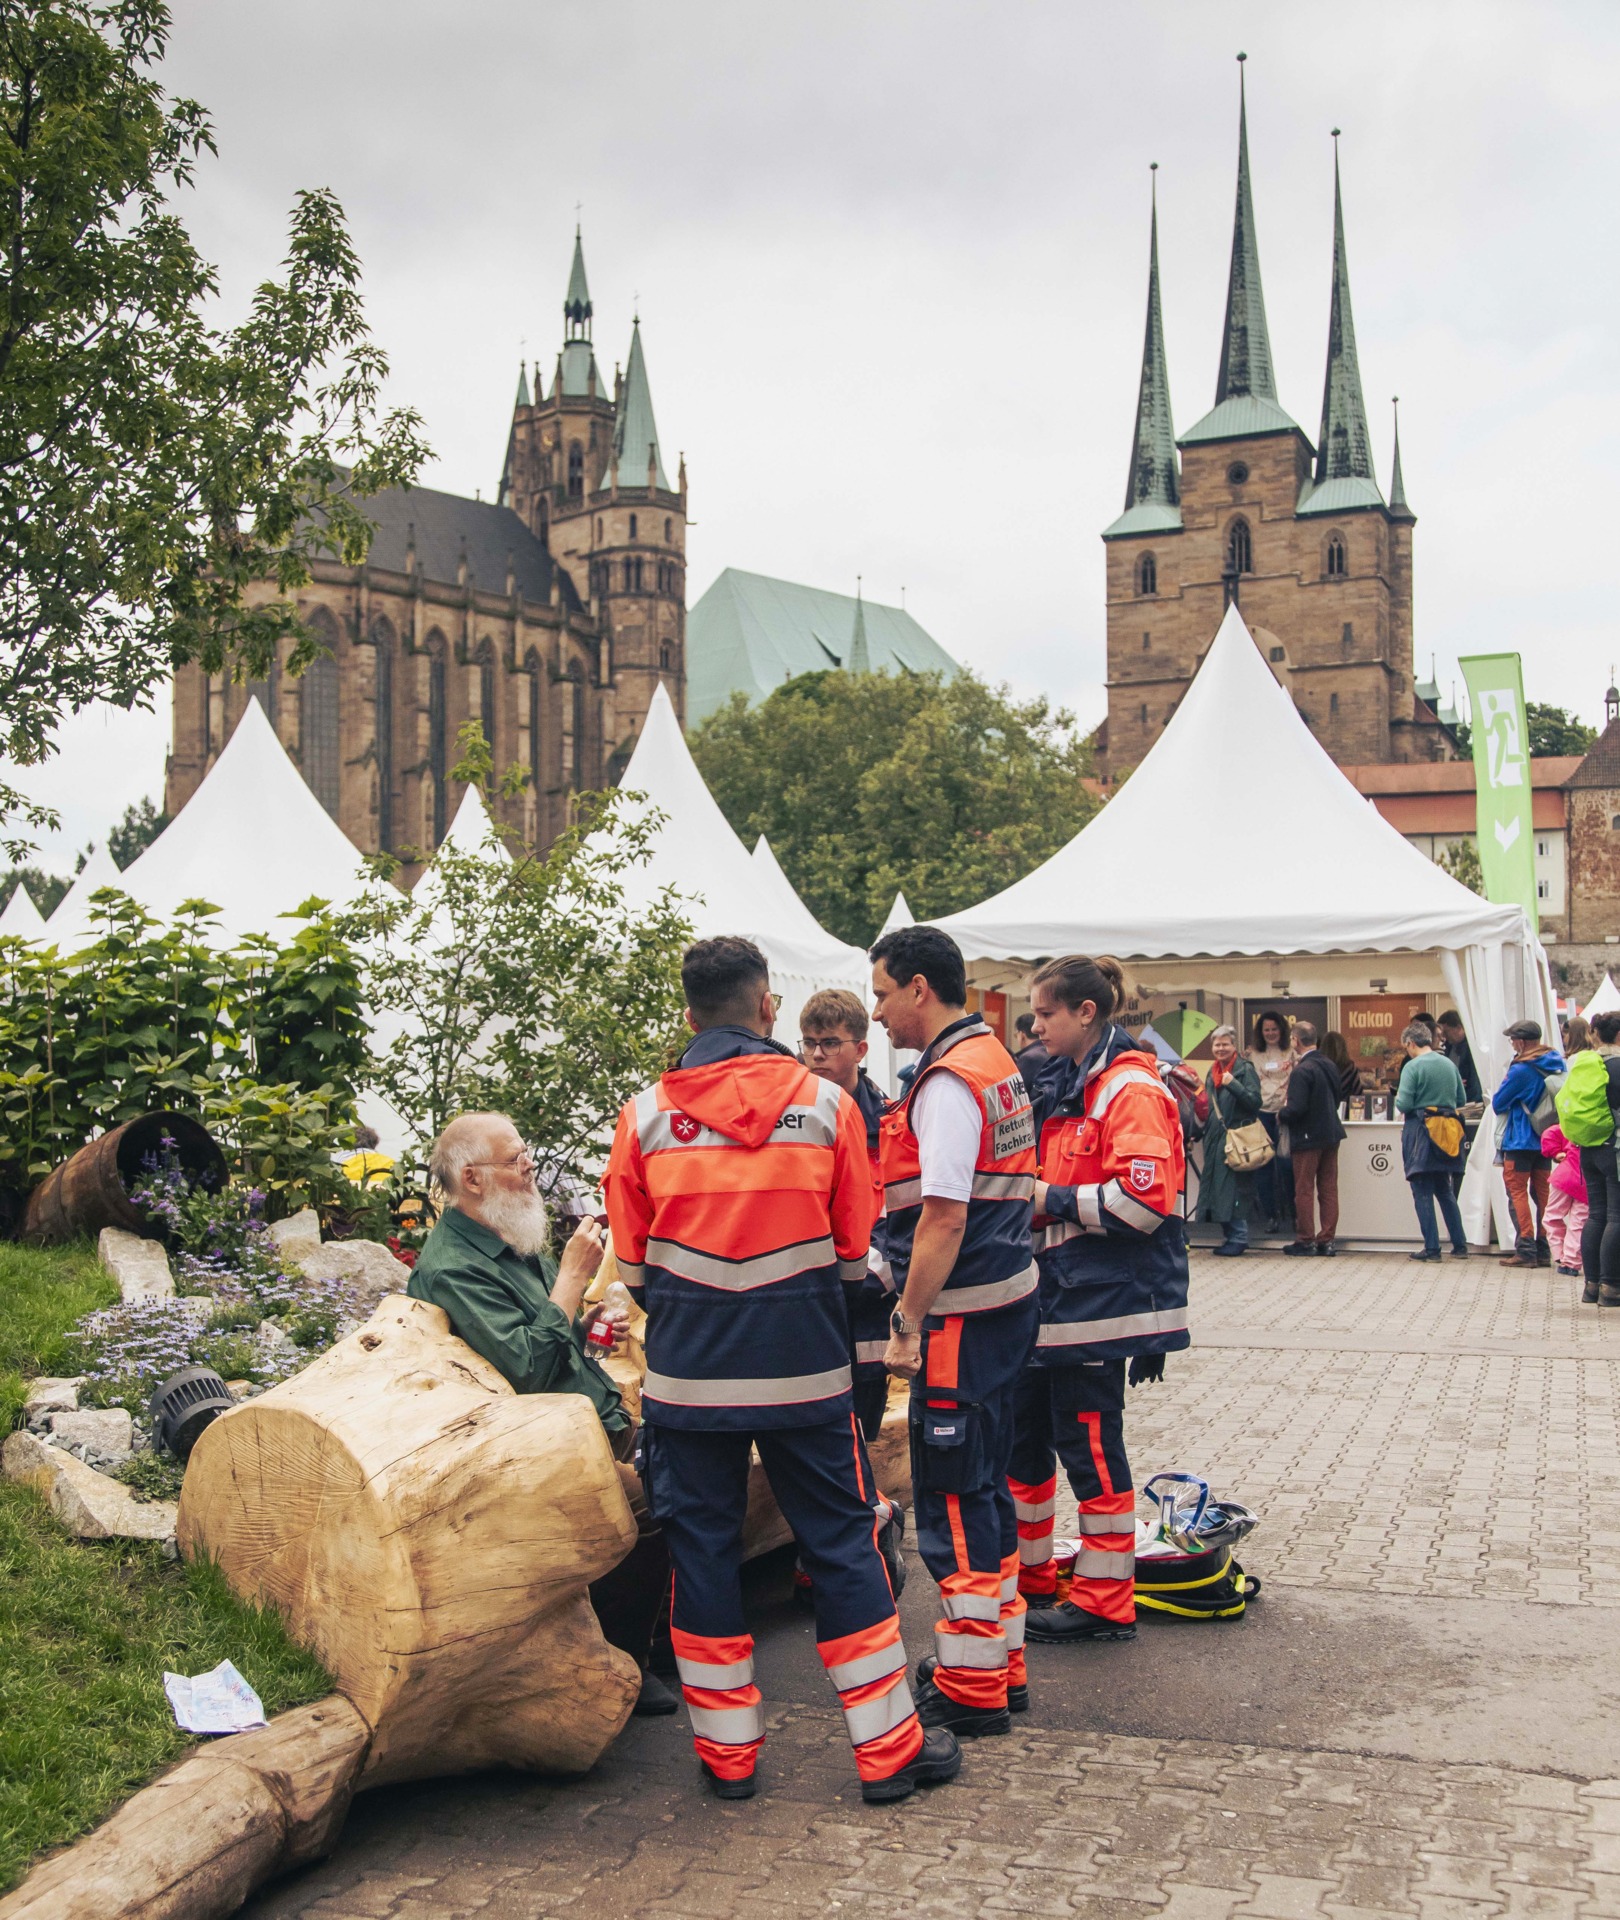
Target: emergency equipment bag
point(1583, 1101)
point(1194, 1586)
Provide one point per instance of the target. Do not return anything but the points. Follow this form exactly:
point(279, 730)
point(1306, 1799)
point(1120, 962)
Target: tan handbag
point(1248, 1148)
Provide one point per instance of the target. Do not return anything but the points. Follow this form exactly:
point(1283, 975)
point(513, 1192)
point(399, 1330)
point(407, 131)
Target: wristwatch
point(901, 1327)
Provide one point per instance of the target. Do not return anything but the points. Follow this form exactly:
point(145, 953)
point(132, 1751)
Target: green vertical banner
point(1507, 847)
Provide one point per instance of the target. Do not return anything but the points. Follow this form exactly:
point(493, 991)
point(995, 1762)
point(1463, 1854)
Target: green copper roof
point(1153, 490)
point(577, 303)
point(523, 386)
point(1246, 342)
point(1398, 509)
point(1240, 418)
point(860, 658)
point(577, 363)
point(749, 633)
point(635, 435)
point(1344, 465)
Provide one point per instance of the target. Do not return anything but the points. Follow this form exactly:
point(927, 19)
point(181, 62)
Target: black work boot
point(1608, 1296)
point(938, 1758)
point(654, 1699)
point(742, 1789)
point(1017, 1697)
point(938, 1709)
point(1065, 1622)
point(1589, 1294)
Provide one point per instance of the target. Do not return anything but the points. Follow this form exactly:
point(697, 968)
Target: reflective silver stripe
point(998, 1293)
point(904, 1193)
point(799, 1126)
point(867, 1351)
point(1003, 1186)
point(731, 1726)
point(1124, 1326)
point(1013, 1626)
point(1085, 1202)
point(786, 1392)
point(703, 1673)
point(632, 1273)
point(1124, 1207)
point(970, 1606)
point(970, 1649)
point(1059, 1233)
point(1009, 1587)
point(1132, 1077)
point(1094, 1564)
point(1035, 1553)
point(738, 1276)
point(852, 1269)
point(874, 1718)
point(1035, 1509)
point(875, 1263)
point(868, 1667)
point(1108, 1523)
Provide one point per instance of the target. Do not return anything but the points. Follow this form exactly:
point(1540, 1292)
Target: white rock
point(299, 1233)
point(141, 1267)
point(107, 1431)
point(367, 1265)
point(46, 1396)
point(86, 1503)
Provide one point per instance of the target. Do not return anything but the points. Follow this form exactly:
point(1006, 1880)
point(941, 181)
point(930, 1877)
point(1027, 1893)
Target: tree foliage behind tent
point(871, 784)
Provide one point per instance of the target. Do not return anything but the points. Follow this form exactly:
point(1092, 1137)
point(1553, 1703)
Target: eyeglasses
point(520, 1162)
point(825, 1043)
point(776, 1003)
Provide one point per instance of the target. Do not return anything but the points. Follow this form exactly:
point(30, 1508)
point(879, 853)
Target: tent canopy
point(1142, 879)
point(70, 925)
point(253, 839)
point(1605, 1000)
point(22, 919)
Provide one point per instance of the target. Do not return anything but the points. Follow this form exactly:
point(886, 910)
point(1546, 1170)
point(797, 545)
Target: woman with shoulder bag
point(1600, 1237)
point(1226, 1185)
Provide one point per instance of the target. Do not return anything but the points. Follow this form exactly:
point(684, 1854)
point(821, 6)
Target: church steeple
point(1398, 509)
point(1153, 490)
point(577, 305)
point(1344, 464)
point(860, 658)
point(636, 461)
point(576, 364)
point(1246, 386)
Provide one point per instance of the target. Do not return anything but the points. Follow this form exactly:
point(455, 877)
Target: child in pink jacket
point(1566, 1202)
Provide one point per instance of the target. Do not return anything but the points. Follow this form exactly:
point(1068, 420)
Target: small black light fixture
point(186, 1402)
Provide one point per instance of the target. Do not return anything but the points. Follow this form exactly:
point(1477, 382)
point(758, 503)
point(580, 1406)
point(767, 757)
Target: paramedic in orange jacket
point(739, 1193)
point(958, 1157)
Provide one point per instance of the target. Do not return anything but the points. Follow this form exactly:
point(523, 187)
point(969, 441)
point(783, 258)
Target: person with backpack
point(1429, 1094)
point(1588, 1102)
point(1525, 1102)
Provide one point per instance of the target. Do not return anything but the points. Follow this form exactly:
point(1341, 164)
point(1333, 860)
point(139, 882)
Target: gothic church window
point(438, 742)
point(1239, 548)
point(1336, 562)
point(486, 692)
point(1147, 574)
point(318, 729)
point(1333, 703)
point(268, 691)
point(382, 640)
point(632, 526)
point(576, 471)
point(669, 526)
point(663, 656)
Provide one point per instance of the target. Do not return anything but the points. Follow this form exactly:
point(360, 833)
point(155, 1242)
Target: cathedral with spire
point(549, 614)
point(1243, 507)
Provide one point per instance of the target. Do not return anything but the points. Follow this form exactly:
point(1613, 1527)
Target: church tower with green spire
point(1299, 535)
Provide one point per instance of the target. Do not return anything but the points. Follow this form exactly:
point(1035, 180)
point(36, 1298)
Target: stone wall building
point(1244, 507)
point(549, 615)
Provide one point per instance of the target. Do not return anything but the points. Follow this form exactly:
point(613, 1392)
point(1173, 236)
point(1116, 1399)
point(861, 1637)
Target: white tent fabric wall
point(1605, 1000)
point(253, 839)
point(69, 926)
point(22, 919)
point(1342, 879)
point(722, 888)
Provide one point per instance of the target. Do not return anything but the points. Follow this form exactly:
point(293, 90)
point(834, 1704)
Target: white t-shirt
point(948, 1123)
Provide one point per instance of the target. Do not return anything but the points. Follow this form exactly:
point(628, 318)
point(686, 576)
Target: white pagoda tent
point(900, 915)
point(1605, 1000)
point(1168, 872)
point(70, 925)
point(22, 919)
point(252, 839)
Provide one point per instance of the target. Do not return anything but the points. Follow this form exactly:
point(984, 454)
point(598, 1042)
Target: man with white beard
point(488, 1265)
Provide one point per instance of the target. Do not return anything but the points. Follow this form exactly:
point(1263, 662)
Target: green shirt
point(499, 1302)
point(1428, 1080)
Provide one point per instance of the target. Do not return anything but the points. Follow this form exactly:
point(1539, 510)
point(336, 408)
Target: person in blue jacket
point(1526, 1169)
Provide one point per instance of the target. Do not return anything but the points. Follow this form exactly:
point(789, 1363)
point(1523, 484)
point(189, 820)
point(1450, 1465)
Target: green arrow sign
point(1507, 852)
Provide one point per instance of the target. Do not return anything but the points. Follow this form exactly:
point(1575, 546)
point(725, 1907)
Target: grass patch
point(88, 1627)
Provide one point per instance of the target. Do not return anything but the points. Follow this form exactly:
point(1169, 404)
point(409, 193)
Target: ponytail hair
point(1076, 978)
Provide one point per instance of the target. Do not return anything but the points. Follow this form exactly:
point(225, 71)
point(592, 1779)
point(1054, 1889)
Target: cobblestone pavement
point(1434, 1455)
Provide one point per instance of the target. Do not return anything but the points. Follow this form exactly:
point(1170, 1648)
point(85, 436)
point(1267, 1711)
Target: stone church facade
point(549, 615)
point(1244, 507)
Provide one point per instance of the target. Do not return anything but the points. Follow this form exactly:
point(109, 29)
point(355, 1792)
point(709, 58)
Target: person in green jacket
point(1234, 1101)
point(487, 1264)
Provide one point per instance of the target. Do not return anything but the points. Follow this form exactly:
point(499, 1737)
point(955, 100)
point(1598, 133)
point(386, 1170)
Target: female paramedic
point(1112, 1254)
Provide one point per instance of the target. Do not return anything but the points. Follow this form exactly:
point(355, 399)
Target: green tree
point(1554, 730)
point(1460, 858)
point(140, 826)
point(871, 784)
point(44, 889)
point(155, 467)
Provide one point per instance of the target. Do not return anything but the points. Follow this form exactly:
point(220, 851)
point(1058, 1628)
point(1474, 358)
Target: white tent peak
point(1605, 1000)
point(900, 915)
point(1161, 871)
point(71, 920)
point(472, 828)
point(253, 839)
point(22, 919)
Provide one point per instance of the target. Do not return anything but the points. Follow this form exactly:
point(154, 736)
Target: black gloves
point(1145, 1367)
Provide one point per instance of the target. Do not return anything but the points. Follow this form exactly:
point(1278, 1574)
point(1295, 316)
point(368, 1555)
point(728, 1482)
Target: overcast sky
point(891, 267)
